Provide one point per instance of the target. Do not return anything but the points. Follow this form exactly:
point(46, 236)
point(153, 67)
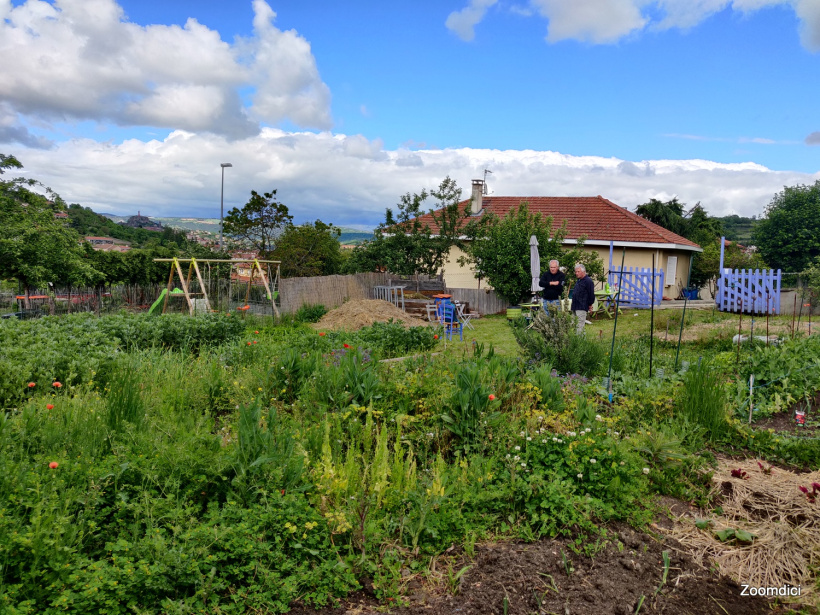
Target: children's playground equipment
point(244, 274)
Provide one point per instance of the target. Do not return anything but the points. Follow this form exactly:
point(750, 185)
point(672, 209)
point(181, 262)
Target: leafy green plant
point(703, 400)
point(310, 313)
point(470, 404)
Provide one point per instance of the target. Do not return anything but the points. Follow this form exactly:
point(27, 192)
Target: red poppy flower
point(254, 341)
point(435, 337)
point(256, 332)
point(249, 343)
point(347, 345)
point(49, 406)
point(322, 333)
point(283, 492)
point(53, 465)
point(58, 385)
point(31, 385)
point(492, 397)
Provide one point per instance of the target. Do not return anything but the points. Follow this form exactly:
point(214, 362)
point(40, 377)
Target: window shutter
point(671, 271)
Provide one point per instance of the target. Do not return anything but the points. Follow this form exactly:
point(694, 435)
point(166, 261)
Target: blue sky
point(345, 106)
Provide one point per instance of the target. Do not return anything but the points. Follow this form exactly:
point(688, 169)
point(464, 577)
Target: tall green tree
point(788, 237)
point(260, 222)
point(35, 247)
point(405, 243)
point(309, 249)
point(499, 250)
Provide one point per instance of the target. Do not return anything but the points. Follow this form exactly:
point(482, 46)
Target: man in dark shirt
point(552, 281)
point(583, 296)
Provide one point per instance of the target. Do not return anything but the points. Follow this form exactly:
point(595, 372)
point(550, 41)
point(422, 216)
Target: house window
point(671, 271)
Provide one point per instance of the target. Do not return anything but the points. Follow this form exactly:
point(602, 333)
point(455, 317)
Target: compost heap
point(363, 313)
point(784, 521)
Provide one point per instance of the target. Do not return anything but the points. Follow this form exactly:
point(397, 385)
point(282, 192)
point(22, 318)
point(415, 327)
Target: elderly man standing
point(582, 297)
point(552, 281)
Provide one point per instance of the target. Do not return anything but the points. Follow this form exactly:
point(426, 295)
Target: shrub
point(310, 313)
point(394, 340)
point(552, 339)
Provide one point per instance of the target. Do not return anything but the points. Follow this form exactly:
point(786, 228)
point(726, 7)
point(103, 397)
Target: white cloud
point(595, 21)
point(350, 179)
point(82, 59)
point(608, 21)
point(463, 22)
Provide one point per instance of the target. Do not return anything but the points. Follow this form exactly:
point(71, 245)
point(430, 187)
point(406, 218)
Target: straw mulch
point(786, 526)
point(354, 315)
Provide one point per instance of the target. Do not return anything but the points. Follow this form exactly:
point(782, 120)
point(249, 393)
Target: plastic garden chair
point(448, 318)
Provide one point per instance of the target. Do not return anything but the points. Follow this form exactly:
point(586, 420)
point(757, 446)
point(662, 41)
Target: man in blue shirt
point(583, 296)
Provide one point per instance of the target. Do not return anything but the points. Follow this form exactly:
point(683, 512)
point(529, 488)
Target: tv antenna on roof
point(485, 179)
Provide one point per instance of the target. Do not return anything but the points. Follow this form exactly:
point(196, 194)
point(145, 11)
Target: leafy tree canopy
point(260, 222)
point(35, 247)
point(788, 237)
point(310, 249)
point(694, 224)
point(499, 250)
point(404, 244)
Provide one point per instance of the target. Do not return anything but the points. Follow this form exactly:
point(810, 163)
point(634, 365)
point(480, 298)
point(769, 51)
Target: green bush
point(310, 313)
point(552, 339)
point(392, 339)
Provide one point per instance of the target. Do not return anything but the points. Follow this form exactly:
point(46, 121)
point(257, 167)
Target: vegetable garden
point(220, 464)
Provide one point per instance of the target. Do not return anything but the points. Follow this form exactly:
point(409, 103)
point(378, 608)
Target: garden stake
point(767, 317)
point(652, 319)
point(751, 391)
point(794, 313)
point(683, 316)
point(666, 337)
point(615, 325)
point(800, 314)
point(739, 325)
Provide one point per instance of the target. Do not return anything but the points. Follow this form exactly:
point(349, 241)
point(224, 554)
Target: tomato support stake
point(751, 400)
point(652, 318)
point(683, 316)
point(615, 325)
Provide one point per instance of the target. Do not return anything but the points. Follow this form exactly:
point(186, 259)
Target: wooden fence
point(481, 300)
point(330, 291)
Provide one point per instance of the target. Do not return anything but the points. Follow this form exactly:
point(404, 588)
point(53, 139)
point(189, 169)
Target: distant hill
point(738, 228)
point(348, 236)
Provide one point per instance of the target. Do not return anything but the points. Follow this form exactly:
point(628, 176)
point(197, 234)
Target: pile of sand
point(354, 315)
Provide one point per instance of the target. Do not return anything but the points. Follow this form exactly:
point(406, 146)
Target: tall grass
point(703, 400)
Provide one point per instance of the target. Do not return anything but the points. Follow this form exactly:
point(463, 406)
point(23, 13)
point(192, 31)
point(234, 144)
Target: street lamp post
point(222, 202)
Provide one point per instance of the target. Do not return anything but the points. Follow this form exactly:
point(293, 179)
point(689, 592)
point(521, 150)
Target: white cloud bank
point(607, 21)
point(350, 180)
point(82, 59)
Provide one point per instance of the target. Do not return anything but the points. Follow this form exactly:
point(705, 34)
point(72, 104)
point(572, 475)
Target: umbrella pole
point(615, 325)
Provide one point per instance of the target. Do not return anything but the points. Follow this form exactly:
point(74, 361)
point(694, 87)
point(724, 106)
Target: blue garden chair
point(448, 318)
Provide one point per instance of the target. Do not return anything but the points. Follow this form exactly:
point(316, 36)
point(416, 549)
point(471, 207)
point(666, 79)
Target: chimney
point(476, 204)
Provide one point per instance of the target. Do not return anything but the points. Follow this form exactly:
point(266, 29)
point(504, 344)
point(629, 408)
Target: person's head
point(553, 267)
point(580, 270)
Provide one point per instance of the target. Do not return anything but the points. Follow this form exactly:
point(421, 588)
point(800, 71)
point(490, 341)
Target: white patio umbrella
point(535, 266)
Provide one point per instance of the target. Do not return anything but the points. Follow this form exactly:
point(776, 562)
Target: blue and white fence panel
point(749, 291)
point(637, 287)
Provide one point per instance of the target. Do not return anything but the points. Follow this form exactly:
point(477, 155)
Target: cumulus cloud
point(13, 131)
point(463, 22)
point(349, 180)
point(607, 21)
point(82, 59)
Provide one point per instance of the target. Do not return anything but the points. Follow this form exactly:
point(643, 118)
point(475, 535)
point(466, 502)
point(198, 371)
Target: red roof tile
point(593, 217)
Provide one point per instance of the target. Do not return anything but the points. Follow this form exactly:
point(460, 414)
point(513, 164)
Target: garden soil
point(524, 579)
point(354, 315)
point(728, 329)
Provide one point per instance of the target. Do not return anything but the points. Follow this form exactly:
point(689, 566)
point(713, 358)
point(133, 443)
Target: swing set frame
point(271, 285)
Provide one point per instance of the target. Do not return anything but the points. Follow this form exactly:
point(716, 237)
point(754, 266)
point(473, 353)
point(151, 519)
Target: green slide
point(176, 291)
point(158, 301)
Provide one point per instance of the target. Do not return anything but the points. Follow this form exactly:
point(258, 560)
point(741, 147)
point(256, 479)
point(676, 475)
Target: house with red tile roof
point(598, 220)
